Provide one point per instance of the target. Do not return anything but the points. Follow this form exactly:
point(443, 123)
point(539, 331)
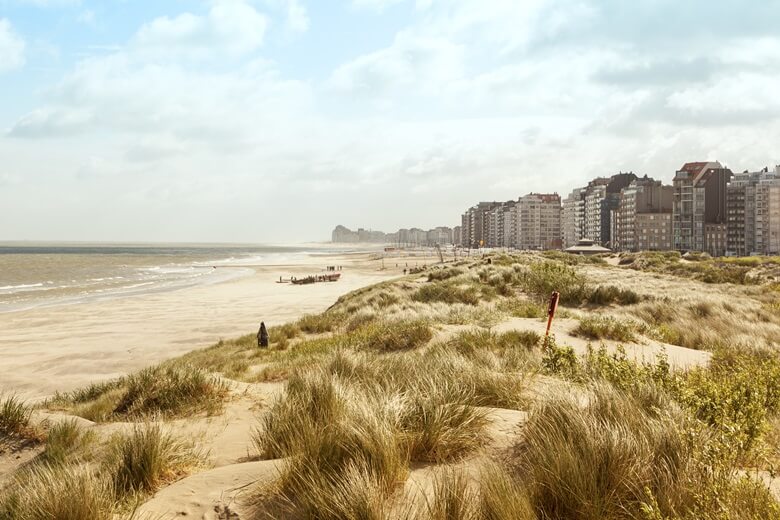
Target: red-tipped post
point(551, 310)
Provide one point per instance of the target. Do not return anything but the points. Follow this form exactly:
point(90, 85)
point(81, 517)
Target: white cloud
point(297, 16)
point(232, 26)
point(474, 99)
point(11, 47)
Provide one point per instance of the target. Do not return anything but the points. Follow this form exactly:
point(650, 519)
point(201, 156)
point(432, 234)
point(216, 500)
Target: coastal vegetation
point(437, 395)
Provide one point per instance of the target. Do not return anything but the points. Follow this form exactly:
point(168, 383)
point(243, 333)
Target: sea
point(35, 275)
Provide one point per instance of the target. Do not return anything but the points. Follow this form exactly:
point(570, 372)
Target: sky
point(275, 120)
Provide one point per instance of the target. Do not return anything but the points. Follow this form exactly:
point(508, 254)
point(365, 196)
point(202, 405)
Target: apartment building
point(699, 208)
point(753, 213)
point(572, 217)
point(643, 219)
point(587, 212)
point(539, 221)
point(475, 224)
point(457, 236)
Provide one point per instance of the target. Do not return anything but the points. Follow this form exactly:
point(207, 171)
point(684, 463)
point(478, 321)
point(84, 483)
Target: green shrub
point(542, 278)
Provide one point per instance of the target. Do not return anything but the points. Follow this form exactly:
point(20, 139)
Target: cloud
point(231, 26)
point(297, 16)
point(11, 47)
point(195, 115)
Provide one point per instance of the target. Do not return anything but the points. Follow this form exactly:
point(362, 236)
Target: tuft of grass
point(64, 440)
point(519, 308)
point(15, 418)
point(453, 498)
point(147, 458)
point(447, 293)
point(395, 336)
point(169, 390)
point(320, 323)
point(439, 431)
point(342, 442)
point(602, 459)
point(58, 492)
point(501, 497)
point(605, 327)
point(438, 275)
point(609, 294)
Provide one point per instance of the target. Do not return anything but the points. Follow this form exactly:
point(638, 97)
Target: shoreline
point(63, 347)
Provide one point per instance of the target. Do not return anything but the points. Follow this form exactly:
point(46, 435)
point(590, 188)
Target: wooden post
point(551, 310)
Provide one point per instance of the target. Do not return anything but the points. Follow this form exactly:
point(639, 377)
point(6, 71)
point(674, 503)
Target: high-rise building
point(572, 217)
point(587, 212)
point(539, 221)
point(699, 207)
point(457, 236)
point(753, 213)
point(643, 218)
point(475, 224)
point(511, 217)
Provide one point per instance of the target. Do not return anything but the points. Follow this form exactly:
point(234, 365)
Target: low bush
point(542, 278)
point(605, 327)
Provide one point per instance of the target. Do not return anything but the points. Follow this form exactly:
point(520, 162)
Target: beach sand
point(61, 348)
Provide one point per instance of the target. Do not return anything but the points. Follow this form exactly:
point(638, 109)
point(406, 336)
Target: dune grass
point(146, 458)
point(58, 492)
point(446, 292)
point(605, 327)
point(168, 390)
point(66, 441)
point(15, 419)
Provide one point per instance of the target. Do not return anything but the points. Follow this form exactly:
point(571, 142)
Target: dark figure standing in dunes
point(262, 336)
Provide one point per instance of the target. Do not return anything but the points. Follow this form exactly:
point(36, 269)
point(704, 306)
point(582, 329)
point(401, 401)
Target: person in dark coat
point(262, 336)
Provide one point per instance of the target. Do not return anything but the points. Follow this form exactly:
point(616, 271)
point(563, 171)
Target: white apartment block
point(539, 221)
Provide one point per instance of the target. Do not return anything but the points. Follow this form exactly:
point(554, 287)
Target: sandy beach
point(63, 347)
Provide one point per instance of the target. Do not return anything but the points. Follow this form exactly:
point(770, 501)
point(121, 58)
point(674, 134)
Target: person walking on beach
point(262, 336)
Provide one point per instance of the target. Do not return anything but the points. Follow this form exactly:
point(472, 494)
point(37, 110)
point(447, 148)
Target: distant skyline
point(271, 121)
